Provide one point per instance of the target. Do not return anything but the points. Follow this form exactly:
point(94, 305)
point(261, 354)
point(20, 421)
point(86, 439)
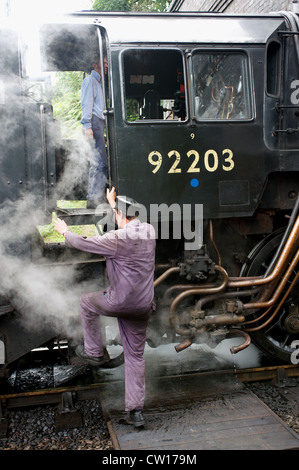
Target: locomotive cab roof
point(78, 32)
point(165, 28)
point(162, 28)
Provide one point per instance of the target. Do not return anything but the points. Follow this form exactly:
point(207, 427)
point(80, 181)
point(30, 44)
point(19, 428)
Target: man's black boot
point(136, 418)
point(95, 361)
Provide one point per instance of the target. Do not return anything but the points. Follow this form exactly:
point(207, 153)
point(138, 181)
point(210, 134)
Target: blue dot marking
point(194, 183)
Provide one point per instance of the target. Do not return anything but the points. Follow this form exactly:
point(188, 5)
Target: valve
point(198, 266)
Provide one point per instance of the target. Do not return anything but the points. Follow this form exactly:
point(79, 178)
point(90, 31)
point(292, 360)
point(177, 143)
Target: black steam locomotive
point(202, 116)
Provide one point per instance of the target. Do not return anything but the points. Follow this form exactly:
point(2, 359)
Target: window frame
point(123, 86)
point(249, 83)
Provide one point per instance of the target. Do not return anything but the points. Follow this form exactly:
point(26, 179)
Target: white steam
point(43, 294)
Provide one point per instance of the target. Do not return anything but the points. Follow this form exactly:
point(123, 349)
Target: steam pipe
point(293, 22)
point(165, 275)
point(291, 237)
point(183, 287)
point(285, 236)
point(277, 286)
point(196, 291)
point(214, 244)
point(276, 310)
point(184, 345)
point(227, 319)
point(282, 261)
point(226, 295)
point(250, 322)
point(244, 345)
point(223, 319)
point(282, 284)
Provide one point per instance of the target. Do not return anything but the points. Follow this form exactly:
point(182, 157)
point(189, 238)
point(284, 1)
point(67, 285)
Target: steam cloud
point(41, 294)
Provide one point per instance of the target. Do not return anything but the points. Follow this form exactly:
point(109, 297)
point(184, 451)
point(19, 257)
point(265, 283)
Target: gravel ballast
point(34, 428)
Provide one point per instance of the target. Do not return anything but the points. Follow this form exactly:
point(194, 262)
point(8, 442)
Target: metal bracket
point(67, 415)
point(3, 424)
point(287, 33)
point(280, 378)
point(287, 131)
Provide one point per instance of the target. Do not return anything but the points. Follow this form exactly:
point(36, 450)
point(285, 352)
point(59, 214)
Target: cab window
point(221, 86)
point(154, 85)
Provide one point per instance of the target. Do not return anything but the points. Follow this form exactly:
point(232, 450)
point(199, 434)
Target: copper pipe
point(282, 284)
point(245, 278)
point(222, 319)
point(277, 270)
point(243, 282)
point(184, 345)
point(244, 345)
point(165, 275)
point(285, 235)
point(214, 244)
point(184, 287)
point(224, 295)
point(196, 291)
point(225, 319)
point(234, 349)
point(257, 319)
point(277, 308)
point(163, 266)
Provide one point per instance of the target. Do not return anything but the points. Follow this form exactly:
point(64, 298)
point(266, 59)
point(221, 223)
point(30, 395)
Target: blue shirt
point(92, 100)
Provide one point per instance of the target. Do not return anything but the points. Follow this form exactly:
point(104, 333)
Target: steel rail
point(92, 391)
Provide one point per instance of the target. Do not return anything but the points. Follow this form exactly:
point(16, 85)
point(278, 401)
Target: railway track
point(204, 410)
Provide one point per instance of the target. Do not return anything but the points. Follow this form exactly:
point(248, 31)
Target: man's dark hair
point(96, 59)
point(128, 206)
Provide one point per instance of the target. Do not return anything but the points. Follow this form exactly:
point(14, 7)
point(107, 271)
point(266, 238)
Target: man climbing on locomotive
point(130, 262)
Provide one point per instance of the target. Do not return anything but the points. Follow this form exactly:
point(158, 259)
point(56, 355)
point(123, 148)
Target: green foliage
point(150, 5)
point(67, 101)
point(49, 234)
point(131, 5)
point(132, 111)
point(112, 5)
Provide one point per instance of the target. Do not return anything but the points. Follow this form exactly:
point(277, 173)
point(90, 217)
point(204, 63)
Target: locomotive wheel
point(276, 338)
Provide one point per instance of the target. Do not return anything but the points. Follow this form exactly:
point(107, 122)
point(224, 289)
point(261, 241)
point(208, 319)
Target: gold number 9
point(157, 162)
